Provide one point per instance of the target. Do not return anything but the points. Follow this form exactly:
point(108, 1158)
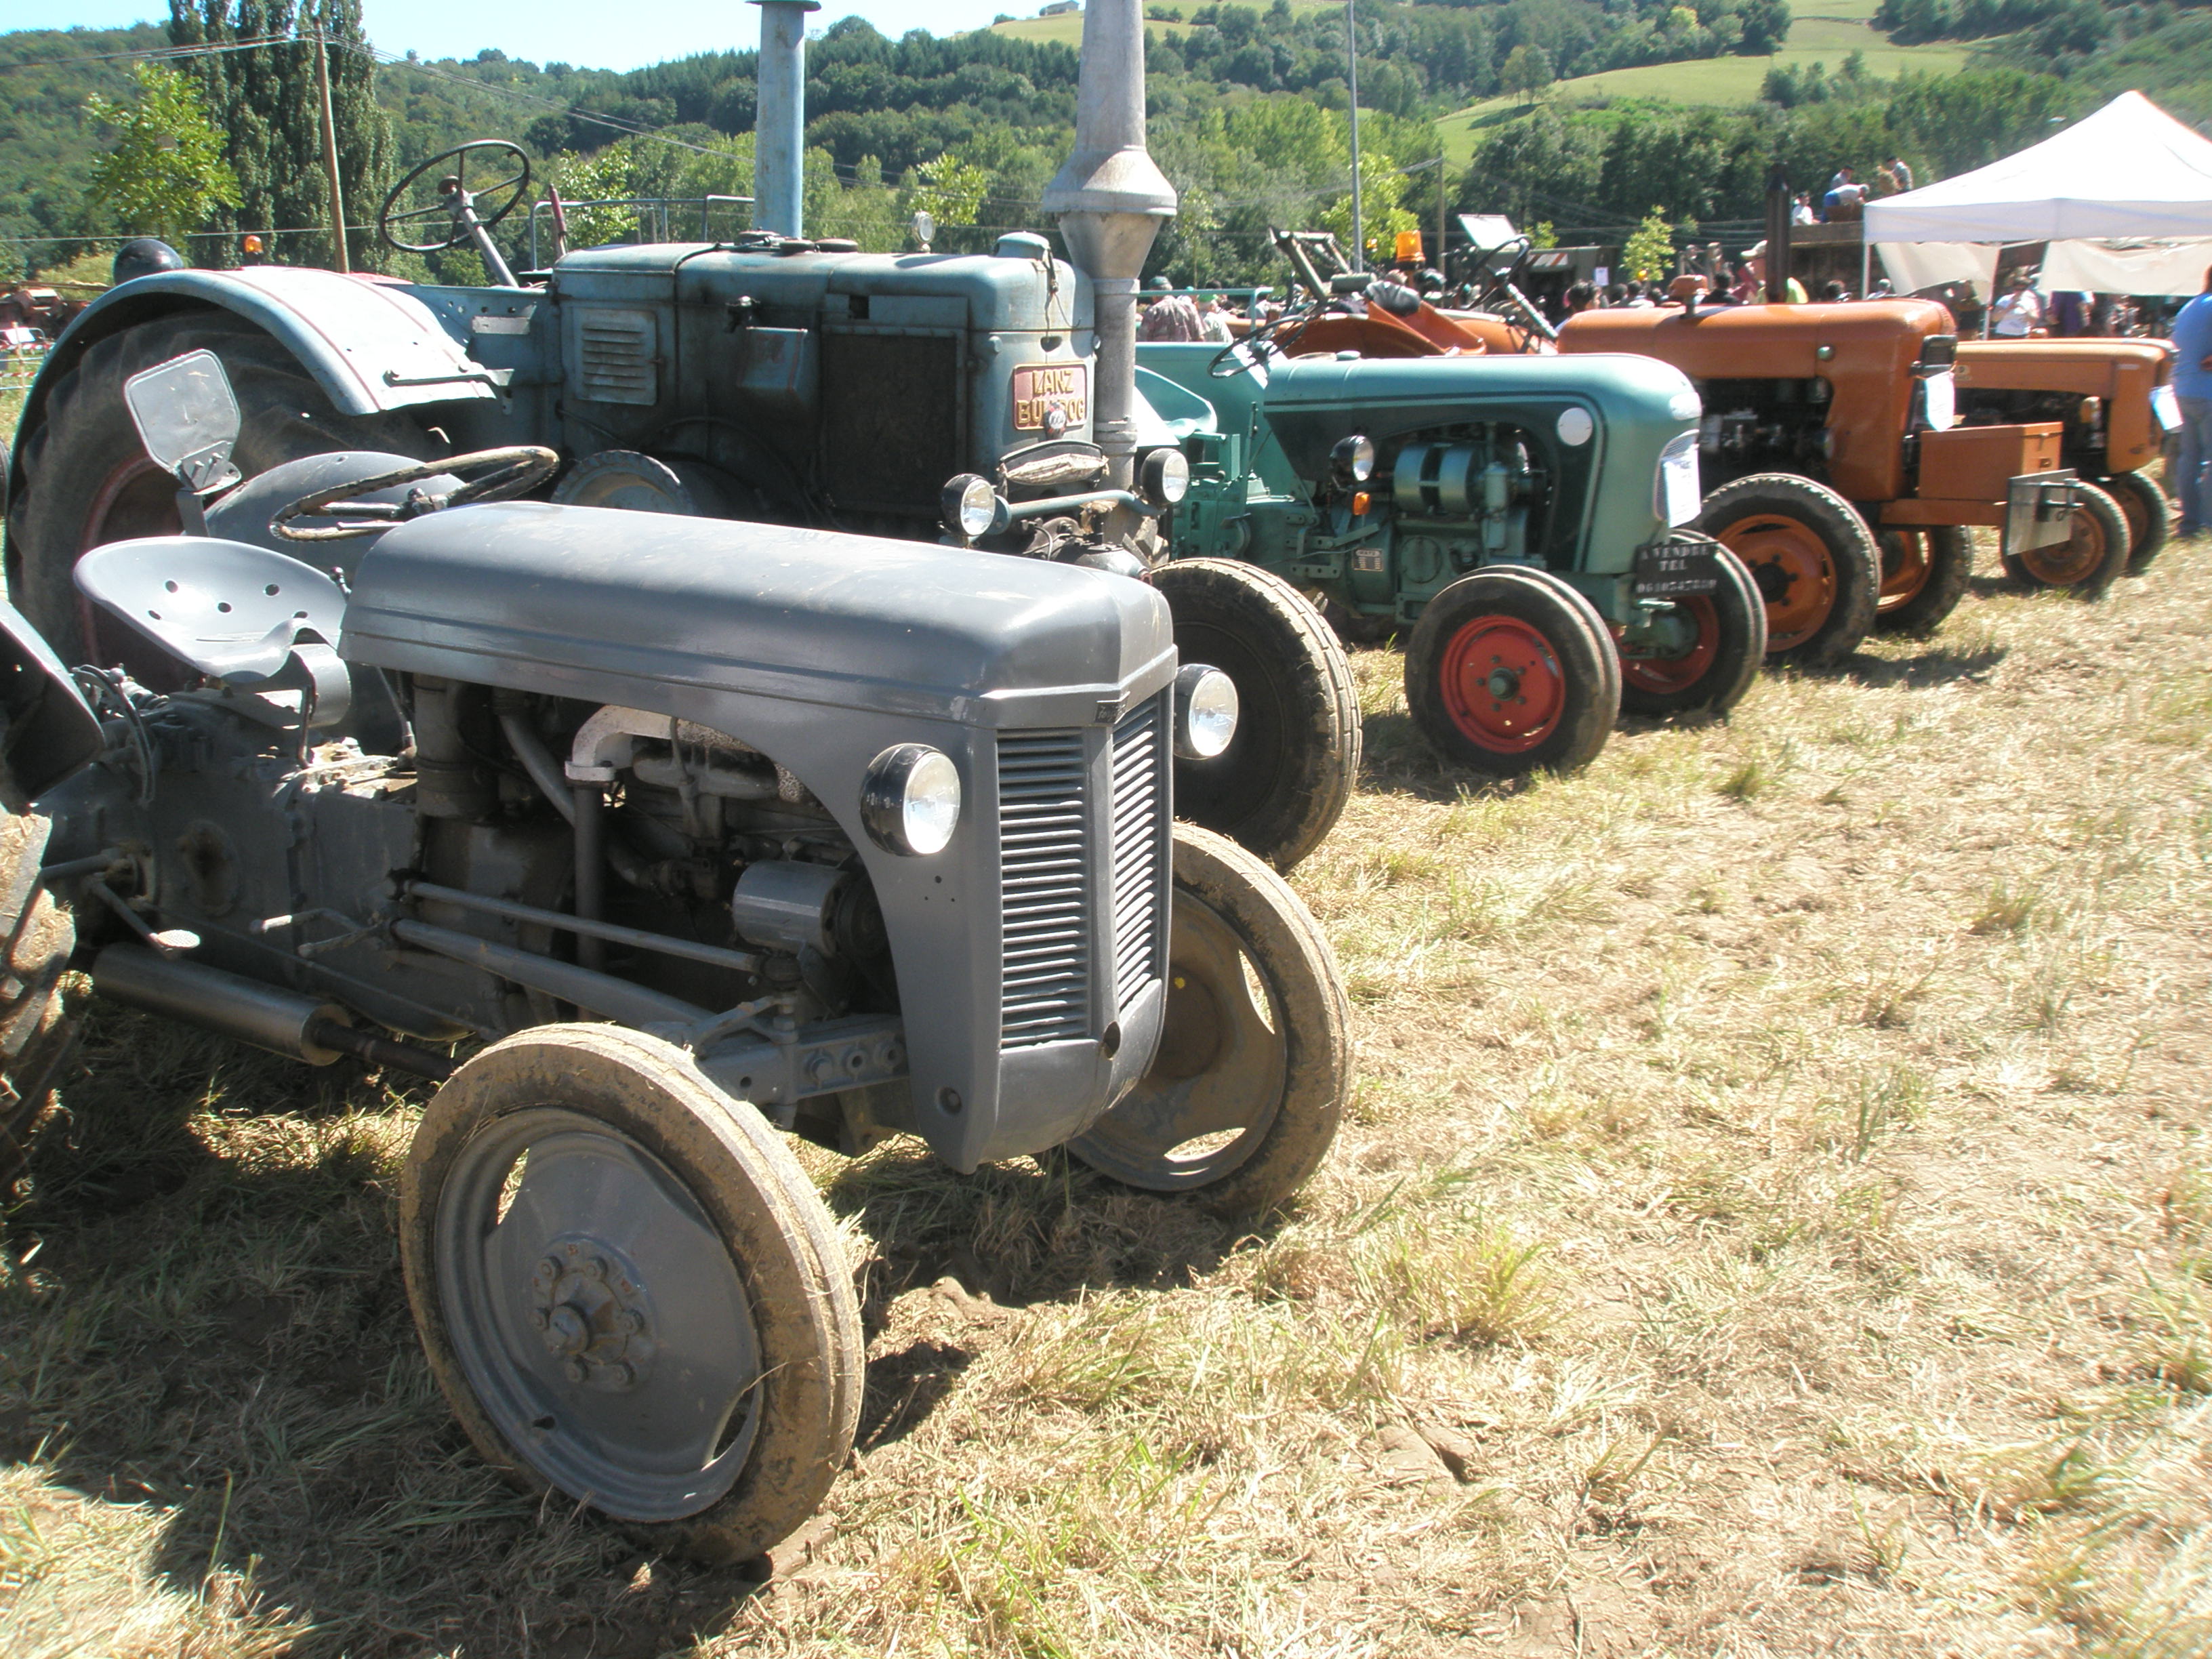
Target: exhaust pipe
point(1112, 199)
point(780, 117)
point(281, 1022)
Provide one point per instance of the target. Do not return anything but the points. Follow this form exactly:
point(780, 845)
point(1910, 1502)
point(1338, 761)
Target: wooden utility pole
point(330, 152)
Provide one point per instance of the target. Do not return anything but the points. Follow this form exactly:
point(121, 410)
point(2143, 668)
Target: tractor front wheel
point(88, 480)
point(630, 1292)
point(1510, 671)
point(1712, 673)
point(1282, 782)
point(1812, 557)
point(2144, 505)
point(1924, 577)
point(2087, 562)
point(1245, 1093)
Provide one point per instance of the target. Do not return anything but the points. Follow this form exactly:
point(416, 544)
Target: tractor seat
point(238, 614)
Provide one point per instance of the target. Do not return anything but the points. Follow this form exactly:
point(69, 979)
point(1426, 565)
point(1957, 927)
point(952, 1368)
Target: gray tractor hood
point(566, 599)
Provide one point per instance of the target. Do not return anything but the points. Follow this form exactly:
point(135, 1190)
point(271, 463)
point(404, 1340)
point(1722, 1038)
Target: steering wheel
point(455, 184)
point(505, 473)
point(1258, 343)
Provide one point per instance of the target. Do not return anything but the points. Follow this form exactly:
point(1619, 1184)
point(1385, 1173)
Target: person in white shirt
point(2018, 311)
point(1214, 321)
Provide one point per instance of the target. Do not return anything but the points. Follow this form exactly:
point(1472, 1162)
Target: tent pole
point(1866, 263)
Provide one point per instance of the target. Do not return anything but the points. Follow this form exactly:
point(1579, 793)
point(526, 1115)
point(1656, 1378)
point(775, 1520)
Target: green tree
point(263, 99)
point(166, 173)
point(1648, 253)
point(1527, 72)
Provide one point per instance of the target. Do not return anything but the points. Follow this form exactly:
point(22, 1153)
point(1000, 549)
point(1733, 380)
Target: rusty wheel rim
point(1667, 675)
point(1795, 575)
point(136, 499)
point(2072, 561)
point(1503, 684)
point(1905, 567)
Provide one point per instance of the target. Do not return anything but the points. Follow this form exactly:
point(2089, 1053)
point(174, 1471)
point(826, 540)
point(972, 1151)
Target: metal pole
point(1440, 213)
point(1352, 59)
point(331, 153)
point(779, 126)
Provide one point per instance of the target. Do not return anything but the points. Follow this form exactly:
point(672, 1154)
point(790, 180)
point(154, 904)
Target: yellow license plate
point(1039, 387)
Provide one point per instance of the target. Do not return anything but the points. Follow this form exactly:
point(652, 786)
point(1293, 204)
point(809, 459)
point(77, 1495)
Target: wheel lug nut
point(594, 1268)
point(621, 1374)
point(635, 1319)
point(574, 1370)
point(540, 1318)
point(548, 1268)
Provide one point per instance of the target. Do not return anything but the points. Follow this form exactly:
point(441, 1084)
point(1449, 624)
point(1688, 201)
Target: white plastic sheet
point(1913, 266)
point(2126, 267)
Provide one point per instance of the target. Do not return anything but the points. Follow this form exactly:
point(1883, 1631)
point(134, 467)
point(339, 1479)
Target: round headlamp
point(1165, 479)
point(1205, 711)
point(969, 505)
point(1353, 460)
point(910, 799)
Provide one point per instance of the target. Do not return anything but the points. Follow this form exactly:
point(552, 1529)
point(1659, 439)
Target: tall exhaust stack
point(1111, 199)
point(780, 119)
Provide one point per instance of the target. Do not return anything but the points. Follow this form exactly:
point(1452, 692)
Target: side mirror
point(187, 417)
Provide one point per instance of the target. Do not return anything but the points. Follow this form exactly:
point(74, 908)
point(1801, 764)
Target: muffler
point(282, 1021)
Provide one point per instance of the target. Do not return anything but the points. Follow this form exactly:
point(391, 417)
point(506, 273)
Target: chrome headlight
point(1166, 477)
point(1677, 494)
point(1939, 400)
point(969, 506)
point(1352, 460)
point(910, 799)
point(1205, 711)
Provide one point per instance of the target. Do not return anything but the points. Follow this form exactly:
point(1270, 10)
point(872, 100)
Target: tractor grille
point(1048, 870)
point(1045, 888)
point(616, 361)
point(1141, 812)
point(892, 419)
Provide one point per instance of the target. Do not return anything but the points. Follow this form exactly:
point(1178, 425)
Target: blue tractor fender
point(371, 344)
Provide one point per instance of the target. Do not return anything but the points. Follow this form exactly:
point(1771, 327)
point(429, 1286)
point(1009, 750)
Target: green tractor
point(1523, 515)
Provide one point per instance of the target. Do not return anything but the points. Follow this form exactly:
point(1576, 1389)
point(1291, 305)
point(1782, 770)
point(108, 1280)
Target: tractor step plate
point(1673, 570)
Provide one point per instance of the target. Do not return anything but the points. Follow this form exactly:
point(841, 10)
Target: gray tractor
point(769, 378)
point(681, 832)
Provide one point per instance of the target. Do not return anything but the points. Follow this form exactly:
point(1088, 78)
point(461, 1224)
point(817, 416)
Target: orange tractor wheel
point(1812, 556)
point(2089, 560)
point(2148, 513)
point(1924, 577)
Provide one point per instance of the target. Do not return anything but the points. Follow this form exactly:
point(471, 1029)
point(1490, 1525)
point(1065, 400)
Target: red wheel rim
point(1502, 684)
point(1905, 567)
point(1667, 675)
point(1795, 576)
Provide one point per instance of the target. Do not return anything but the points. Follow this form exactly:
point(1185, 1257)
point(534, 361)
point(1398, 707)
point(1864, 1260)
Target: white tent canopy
point(2168, 268)
point(2130, 170)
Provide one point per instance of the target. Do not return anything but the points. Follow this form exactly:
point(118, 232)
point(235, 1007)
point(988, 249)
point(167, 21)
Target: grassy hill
point(1828, 34)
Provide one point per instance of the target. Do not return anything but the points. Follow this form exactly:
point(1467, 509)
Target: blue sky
point(572, 31)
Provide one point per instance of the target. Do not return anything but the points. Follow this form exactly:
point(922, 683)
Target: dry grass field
point(1776, 1218)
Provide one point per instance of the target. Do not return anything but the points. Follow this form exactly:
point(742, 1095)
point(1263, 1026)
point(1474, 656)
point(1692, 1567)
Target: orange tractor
point(2113, 401)
point(1845, 481)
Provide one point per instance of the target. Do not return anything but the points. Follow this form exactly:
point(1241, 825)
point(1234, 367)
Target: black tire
point(1812, 557)
point(1278, 1076)
point(2149, 516)
point(40, 1000)
point(1924, 573)
point(2087, 564)
point(1712, 675)
point(741, 1204)
point(1283, 780)
point(1479, 714)
point(86, 480)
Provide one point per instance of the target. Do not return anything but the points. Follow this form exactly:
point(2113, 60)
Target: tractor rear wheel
point(1924, 577)
point(1711, 675)
point(87, 480)
point(1282, 783)
point(1813, 556)
point(1510, 671)
point(2144, 505)
point(39, 1011)
point(2089, 560)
